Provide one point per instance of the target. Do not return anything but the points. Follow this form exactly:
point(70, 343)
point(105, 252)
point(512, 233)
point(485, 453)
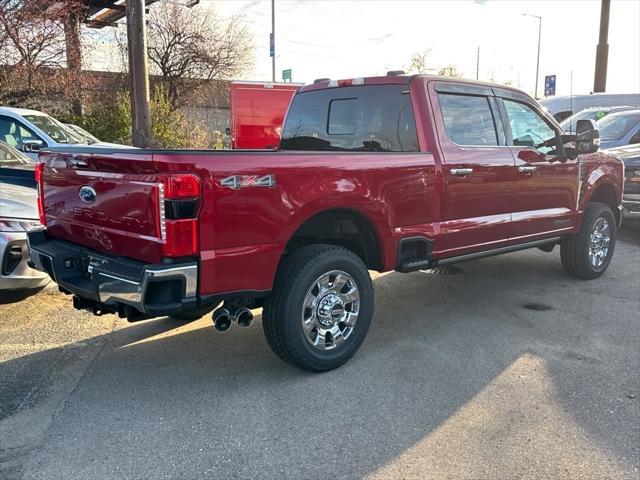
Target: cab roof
point(400, 79)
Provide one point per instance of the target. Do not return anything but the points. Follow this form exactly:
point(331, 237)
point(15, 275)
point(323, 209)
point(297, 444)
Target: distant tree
point(188, 47)
point(450, 71)
point(419, 62)
point(33, 44)
point(169, 128)
point(31, 39)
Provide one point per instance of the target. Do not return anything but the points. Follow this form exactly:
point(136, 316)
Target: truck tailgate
point(105, 201)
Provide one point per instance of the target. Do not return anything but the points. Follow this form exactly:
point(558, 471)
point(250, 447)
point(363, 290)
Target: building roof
point(105, 13)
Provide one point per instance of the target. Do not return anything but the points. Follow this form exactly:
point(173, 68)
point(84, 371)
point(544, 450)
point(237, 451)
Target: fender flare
point(375, 212)
point(596, 179)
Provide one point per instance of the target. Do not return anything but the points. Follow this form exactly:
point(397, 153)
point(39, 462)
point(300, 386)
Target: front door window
point(529, 129)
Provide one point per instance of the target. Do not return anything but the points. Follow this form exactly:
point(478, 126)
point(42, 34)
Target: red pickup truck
point(385, 173)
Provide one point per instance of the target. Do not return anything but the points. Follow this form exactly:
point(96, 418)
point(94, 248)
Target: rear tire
point(320, 309)
point(587, 254)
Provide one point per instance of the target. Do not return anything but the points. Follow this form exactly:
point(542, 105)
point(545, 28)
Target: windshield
point(57, 131)
point(616, 126)
point(569, 124)
point(82, 133)
point(12, 158)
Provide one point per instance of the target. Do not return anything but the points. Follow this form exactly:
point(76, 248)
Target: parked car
point(595, 114)
point(563, 106)
point(30, 130)
point(619, 129)
point(630, 155)
point(384, 173)
point(18, 215)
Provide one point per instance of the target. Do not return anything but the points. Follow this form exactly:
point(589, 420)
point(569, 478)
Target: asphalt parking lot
point(500, 368)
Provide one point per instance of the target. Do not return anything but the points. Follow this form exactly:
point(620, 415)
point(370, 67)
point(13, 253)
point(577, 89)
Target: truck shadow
point(451, 363)
point(13, 296)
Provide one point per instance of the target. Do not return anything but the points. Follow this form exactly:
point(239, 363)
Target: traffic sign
point(549, 85)
point(286, 74)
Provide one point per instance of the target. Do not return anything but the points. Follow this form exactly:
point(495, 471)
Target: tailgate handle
point(77, 162)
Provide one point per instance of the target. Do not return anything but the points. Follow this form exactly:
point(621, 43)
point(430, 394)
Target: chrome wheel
point(330, 310)
point(599, 243)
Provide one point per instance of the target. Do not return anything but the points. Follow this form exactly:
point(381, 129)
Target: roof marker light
point(358, 81)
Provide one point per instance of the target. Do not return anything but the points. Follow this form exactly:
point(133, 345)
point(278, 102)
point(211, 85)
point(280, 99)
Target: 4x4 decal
point(239, 181)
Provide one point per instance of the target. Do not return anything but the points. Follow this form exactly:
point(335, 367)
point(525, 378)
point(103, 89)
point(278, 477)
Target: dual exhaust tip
point(223, 318)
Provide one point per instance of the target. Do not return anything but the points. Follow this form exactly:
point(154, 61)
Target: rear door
point(546, 184)
point(479, 168)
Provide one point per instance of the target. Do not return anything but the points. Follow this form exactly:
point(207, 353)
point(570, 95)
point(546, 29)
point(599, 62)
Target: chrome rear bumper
point(108, 283)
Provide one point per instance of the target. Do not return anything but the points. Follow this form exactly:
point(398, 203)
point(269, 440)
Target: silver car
point(18, 214)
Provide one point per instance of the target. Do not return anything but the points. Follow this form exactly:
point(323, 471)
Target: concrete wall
point(213, 118)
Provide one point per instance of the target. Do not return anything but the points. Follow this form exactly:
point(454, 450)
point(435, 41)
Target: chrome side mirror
point(32, 145)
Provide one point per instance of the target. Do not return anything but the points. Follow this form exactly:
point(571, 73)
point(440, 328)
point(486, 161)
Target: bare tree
point(450, 71)
point(32, 40)
point(34, 57)
point(188, 47)
point(419, 61)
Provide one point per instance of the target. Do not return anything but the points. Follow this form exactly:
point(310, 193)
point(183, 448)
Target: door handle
point(461, 172)
point(527, 168)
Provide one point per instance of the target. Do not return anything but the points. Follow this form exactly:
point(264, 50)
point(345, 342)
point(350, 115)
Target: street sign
point(286, 74)
point(549, 85)
point(272, 46)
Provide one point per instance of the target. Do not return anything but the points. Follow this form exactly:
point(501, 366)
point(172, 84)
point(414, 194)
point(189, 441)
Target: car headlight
point(18, 225)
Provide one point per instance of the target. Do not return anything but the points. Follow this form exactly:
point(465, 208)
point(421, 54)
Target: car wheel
point(587, 254)
point(320, 309)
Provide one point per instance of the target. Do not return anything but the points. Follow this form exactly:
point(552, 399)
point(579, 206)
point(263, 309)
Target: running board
point(495, 251)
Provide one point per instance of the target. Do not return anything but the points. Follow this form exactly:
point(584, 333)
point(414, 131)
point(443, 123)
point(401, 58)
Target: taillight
point(179, 204)
point(182, 186)
point(40, 183)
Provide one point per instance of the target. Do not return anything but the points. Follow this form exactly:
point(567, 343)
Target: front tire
point(587, 254)
point(320, 309)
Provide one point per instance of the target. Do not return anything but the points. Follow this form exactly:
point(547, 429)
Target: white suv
point(31, 130)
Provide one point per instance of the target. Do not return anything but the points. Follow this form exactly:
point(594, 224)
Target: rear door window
point(373, 118)
point(468, 119)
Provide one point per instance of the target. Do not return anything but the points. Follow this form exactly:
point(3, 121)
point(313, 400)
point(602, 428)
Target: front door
point(15, 133)
point(546, 184)
point(479, 170)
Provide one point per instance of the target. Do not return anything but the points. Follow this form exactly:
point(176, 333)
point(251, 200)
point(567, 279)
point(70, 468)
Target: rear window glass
point(468, 119)
point(363, 118)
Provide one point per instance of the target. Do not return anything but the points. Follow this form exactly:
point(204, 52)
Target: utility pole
point(74, 57)
point(272, 47)
point(478, 64)
point(138, 77)
point(602, 51)
point(535, 93)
